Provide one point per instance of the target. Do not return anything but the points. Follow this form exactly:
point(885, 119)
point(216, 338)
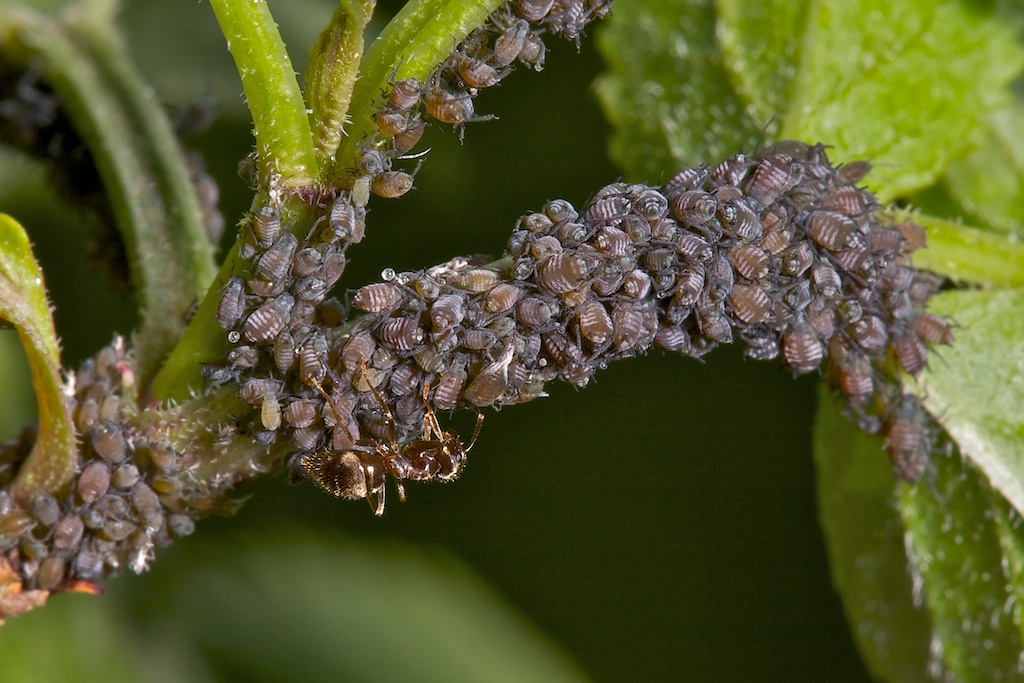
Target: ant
point(360, 472)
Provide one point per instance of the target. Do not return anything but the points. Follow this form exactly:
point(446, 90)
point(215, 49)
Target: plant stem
point(146, 176)
point(416, 40)
point(284, 140)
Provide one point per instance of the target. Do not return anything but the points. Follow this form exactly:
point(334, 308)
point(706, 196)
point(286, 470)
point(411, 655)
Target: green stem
point(142, 167)
point(967, 254)
point(284, 140)
point(416, 40)
point(332, 72)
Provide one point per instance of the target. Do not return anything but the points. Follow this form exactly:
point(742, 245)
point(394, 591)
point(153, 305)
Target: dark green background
point(659, 525)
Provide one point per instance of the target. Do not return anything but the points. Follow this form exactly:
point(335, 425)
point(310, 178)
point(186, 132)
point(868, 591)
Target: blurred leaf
point(975, 388)
point(666, 91)
point(865, 545)
point(989, 182)
point(23, 303)
point(311, 608)
point(82, 638)
point(954, 545)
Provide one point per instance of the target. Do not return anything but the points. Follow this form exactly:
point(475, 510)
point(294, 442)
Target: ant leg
point(430, 417)
point(392, 436)
point(476, 432)
point(337, 417)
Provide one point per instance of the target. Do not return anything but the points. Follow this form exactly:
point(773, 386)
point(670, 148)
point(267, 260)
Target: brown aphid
point(910, 352)
point(405, 94)
point(659, 260)
point(447, 311)
point(411, 136)
point(284, 352)
point(775, 175)
point(561, 349)
point(613, 241)
point(269, 320)
point(608, 210)
point(405, 379)
point(532, 10)
point(651, 205)
point(834, 231)
point(932, 329)
point(544, 246)
point(391, 184)
point(401, 334)
point(536, 222)
point(743, 221)
point(231, 306)
point(252, 392)
point(750, 303)
point(266, 225)
point(533, 312)
point(449, 106)
point(847, 200)
point(559, 210)
point(595, 323)
point(301, 413)
point(277, 260)
point(731, 171)
point(750, 261)
point(510, 43)
point(826, 281)
point(689, 285)
point(109, 443)
point(476, 280)
point(94, 481)
point(378, 297)
point(694, 207)
point(571, 234)
point(776, 240)
point(860, 262)
point(673, 338)
point(313, 359)
point(802, 348)
point(856, 379)
point(492, 381)
point(448, 392)
point(638, 229)
point(68, 532)
point(637, 284)
point(908, 441)
point(854, 171)
point(694, 246)
point(534, 51)
point(146, 502)
point(914, 235)
point(348, 221)
point(478, 74)
point(688, 179)
point(628, 320)
point(797, 259)
point(870, 333)
point(501, 298)
point(561, 273)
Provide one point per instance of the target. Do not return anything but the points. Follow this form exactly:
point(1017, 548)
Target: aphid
point(348, 221)
point(94, 481)
point(694, 207)
point(270, 412)
point(45, 509)
point(612, 241)
point(391, 184)
point(533, 312)
point(628, 321)
point(651, 205)
point(797, 259)
point(847, 200)
point(914, 235)
point(561, 349)
point(694, 246)
point(637, 284)
point(476, 280)
point(401, 334)
point(870, 333)
point(501, 298)
point(910, 352)
point(266, 225)
point(743, 222)
point(659, 260)
point(68, 532)
point(545, 246)
point(750, 261)
point(405, 94)
point(720, 278)
point(802, 348)
point(478, 74)
point(536, 222)
point(559, 210)
point(146, 502)
point(277, 260)
point(731, 171)
point(448, 392)
point(750, 303)
point(854, 172)
point(509, 44)
point(533, 52)
point(608, 210)
point(826, 281)
point(855, 377)
point(109, 443)
point(448, 106)
point(378, 297)
point(313, 359)
point(688, 179)
point(571, 234)
point(491, 382)
point(411, 136)
point(243, 357)
point(181, 525)
point(301, 413)
point(252, 392)
point(284, 352)
point(561, 273)
point(447, 311)
point(689, 286)
point(269, 320)
point(834, 231)
point(231, 306)
point(774, 175)
point(931, 329)
point(907, 440)
point(125, 476)
point(518, 243)
point(595, 323)
point(762, 348)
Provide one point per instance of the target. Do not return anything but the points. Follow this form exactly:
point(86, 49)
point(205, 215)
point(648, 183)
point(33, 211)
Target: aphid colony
point(128, 496)
point(511, 36)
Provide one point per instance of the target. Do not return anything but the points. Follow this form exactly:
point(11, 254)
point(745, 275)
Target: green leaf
point(989, 182)
point(23, 303)
point(954, 545)
point(667, 92)
point(904, 84)
point(327, 608)
point(867, 557)
point(975, 388)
